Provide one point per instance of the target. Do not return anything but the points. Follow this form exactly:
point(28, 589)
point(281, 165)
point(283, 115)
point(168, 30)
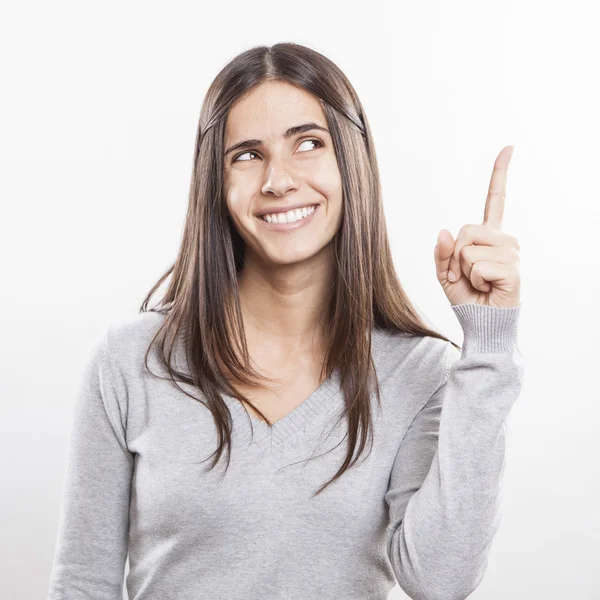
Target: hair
point(202, 303)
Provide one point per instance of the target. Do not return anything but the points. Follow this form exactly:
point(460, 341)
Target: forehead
point(269, 109)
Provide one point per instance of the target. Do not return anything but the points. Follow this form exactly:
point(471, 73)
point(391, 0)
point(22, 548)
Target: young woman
point(285, 338)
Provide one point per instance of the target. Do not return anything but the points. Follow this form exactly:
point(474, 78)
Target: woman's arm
point(91, 546)
point(444, 493)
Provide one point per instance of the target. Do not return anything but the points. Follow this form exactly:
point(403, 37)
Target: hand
point(484, 258)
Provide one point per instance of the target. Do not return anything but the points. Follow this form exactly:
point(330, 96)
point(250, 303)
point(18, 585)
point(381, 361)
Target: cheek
point(235, 199)
point(332, 190)
point(327, 180)
point(238, 189)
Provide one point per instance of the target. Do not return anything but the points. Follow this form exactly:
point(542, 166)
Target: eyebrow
point(295, 130)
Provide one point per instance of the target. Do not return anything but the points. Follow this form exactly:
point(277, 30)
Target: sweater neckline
point(301, 420)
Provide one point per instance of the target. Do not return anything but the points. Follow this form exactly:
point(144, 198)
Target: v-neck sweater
point(421, 509)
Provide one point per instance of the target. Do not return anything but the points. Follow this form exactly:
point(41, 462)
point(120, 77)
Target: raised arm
point(444, 493)
point(92, 540)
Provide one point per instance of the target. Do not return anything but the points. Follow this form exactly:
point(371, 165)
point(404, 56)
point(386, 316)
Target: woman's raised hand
point(484, 258)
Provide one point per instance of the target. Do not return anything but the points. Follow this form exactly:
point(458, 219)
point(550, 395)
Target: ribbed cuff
point(488, 328)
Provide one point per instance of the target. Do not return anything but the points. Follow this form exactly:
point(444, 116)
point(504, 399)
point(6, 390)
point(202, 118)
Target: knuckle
point(466, 229)
point(511, 240)
point(509, 254)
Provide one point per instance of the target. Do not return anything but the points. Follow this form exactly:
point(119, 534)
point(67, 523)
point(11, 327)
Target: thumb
point(442, 254)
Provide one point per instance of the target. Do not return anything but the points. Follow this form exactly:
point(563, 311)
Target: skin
point(287, 276)
point(484, 259)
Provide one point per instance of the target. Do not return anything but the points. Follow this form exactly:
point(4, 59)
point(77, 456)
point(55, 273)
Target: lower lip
point(283, 227)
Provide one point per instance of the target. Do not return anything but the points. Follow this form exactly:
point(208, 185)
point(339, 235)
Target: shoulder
point(133, 330)
point(411, 357)
point(396, 345)
point(127, 340)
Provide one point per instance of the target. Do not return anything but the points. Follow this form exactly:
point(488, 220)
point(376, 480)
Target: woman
point(284, 332)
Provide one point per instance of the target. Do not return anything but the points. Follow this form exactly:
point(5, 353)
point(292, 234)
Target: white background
point(98, 113)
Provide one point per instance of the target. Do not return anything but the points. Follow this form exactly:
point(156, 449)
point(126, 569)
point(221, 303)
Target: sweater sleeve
point(92, 540)
point(444, 492)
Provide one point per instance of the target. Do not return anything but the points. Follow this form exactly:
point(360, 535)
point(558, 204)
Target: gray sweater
point(421, 510)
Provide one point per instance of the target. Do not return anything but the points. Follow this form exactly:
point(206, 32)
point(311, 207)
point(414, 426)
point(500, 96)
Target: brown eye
point(320, 144)
point(243, 153)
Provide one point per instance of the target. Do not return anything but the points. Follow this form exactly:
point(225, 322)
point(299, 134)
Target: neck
point(283, 307)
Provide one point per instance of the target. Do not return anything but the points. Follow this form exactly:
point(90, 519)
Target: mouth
point(283, 227)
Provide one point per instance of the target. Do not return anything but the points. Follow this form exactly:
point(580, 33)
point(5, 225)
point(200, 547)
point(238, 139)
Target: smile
point(299, 218)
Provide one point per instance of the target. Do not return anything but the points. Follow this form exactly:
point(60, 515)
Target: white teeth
point(291, 216)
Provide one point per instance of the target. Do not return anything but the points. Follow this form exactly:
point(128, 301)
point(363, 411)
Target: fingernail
point(451, 276)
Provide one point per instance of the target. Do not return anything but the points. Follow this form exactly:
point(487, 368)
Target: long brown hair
point(202, 304)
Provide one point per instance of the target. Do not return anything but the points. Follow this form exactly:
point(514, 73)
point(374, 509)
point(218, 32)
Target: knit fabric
point(421, 509)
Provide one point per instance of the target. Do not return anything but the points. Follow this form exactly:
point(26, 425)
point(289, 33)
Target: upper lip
point(281, 209)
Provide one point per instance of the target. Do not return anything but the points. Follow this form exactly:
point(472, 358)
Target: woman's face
point(276, 171)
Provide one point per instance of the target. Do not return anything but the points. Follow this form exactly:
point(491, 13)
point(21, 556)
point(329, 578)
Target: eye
point(313, 140)
point(236, 158)
point(244, 154)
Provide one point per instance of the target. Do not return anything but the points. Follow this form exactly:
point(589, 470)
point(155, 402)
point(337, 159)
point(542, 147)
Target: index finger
point(494, 204)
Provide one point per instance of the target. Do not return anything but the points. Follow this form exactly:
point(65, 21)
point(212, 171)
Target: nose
point(279, 181)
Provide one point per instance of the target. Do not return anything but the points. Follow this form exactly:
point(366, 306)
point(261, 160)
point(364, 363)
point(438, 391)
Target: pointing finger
point(494, 203)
